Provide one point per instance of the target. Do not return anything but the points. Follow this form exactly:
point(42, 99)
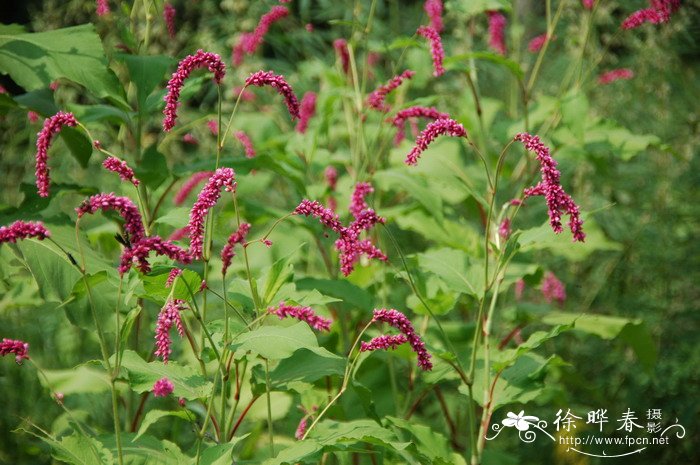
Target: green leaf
point(78, 144)
point(80, 450)
point(432, 445)
point(455, 269)
point(40, 100)
point(78, 380)
point(153, 416)
point(221, 454)
point(146, 72)
point(574, 111)
point(416, 186)
point(92, 113)
point(177, 217)
point(153, 169)
point(34, 60)
point(142, 375)
point(146, 450)
point(347, 292)
point(475, 7)
point(279, 273)
point(453, 62)
point(508, 357)
point(155, 290)
point(287, 340)
point(307, 365)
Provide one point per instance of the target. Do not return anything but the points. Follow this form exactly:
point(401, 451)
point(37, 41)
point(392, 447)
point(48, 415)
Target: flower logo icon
point(520, 421)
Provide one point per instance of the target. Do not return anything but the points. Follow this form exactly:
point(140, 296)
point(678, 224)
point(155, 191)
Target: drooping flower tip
point(102, 8)
point(201, 59)
point(497, 26)
point(23, 230)
point(413, 112)
point(376, 99)
point(383, 342)
point(189, 186)
point(302, 314)
point(357, 201)
point(615, 75)
point(440, 127)
point(238, 237)
point(252, 41)
point(269, 78)
point(120, 167)
point(326, 216)
point(174, 273)
point(168, 317)
point(399, 321)
point(247, 144)
point(659, 12)
point(139, 251)
point(12, 346)
point(341, 50)
point(133, 224)
point(169, 13)
point(434, 10)
point(222, 177)
point(52, 126)
point(307, 111)
point(436, 50)
point(163, 388)
point(553, 289)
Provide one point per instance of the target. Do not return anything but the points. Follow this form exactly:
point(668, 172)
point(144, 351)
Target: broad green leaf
point(153, 416)
point(432, 445)
point(78, 380)
point(287, 340)
point(574, 111)
point(475, 7)
point(78, 144)
point(299, 452)
point(454, 62)
point(146, 450)
point(146, 73)
point(508, 357)
point(221, 454)
point(81, 450)
point(279, 273)
point(456, 269)
point(177, 217)
point(307, 365)
point(416, 186)
point(153, 169)
point(40, 100)
point(347, 292)
point(332, 433)
point(92, 113)
point(34, 60)
point(155, 290)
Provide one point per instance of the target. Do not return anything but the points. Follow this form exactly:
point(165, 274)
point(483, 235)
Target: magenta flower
point(440, 127)
point(660, 11)
point(23, 230)
point(588, 4)
point(557, 199)
point(102, 8)
point(302, 314)
point(139, 251)
point(263, 78)
point(178, 234)
point(133, 224)
point(54, 85)
point(163, 388)
point(301, 428)
point(376, 98)
point(32, 116)
point(436, 50)
point(519, 288)
point(341, 50)
point(357, 201)
point(615, 75)
point(237, 237)
point(306, 112)
point(189, 186)
point(169, 315)
point(238, 50)
point(190, 139)
point(172, 276)
point(201, 59)
point(504, 229)
point(383, 342)
point(497, 26)
point(327, 217)
point(254, 40)
point(213, 127)
point(399, 321)
point(121, 168)
point(413, 112)
point(169, 13)
point(247, 144)
point(331, 175)
point(434, 10)
point(553, 289)
point(223, 177)
point(19, 348)
point(52, 126)
point(537, 43)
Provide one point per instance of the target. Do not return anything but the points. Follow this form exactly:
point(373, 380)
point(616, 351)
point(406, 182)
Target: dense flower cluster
point(190, 139)
point(383, 342)
point(32, 116)
point(163, 388)
point(22, 230)
point(377, 97)
point(172, 276)
point(497, 27)
point(615, 75)
point(247, 143)
point(121, 168)
point(19, 348)
point(537, 43)
point(133, 224)
point(341, 49)
point(504, 229)
point(557, 199)
point(222, 177)
point(189, 186)
point(301, 428)
point(399, 321)
point(306, 111)
point(102, 7)
point(436, 50)
point(213, 127)
point(251, 42)
point(139, 251)
point(52, 126)
point(553, 289)
point(357, 201)
point(413, 112)
point(201, 59)
point(268, 78)
point(169, 315)
point(238, 237)
point(443, 126)
point(302, 314)
point(660, 11)
point(169, 13)
point(433, 8)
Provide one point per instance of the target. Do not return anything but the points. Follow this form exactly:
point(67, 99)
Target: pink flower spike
point(553, 289)
point(133, 224)
point(537, 43)
point(341, 50)
point(331, 175)
point(306, 111)
point(190, 139)
point(139, 251)
point(384, 342)
point(52, 126)
point(254, 40)
point(189, 186)
point(302, 314)
point(436, 50)
point(497, 26)
point(301, 428)
point(222, 177)
point(434, 10)
point(615, 75)
point(19, 348)
point(213, 127)
point(413, 112)
point(326, 216)
point(247, 144)
point(237, 237)
point(168, 316)
point(376, 98)
point(519, 289)
point(588, 4)
point(163, 388)
point(121, 168)
point(357, 202)
point(399, 321)
point(268, 78)
point(201, 59)
point(435, 129)
point(32, 116)
point(172, 276)
point(102, 8)
point(504, 229)
point(557, 199)
point(23, 230)
point(660, 12)
point(169, 13)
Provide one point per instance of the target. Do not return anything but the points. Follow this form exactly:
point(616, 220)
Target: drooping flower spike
point(558, 201)
point(139, 251)
point(434, 10)
point(238, 237)
point(436, 50)
point(169, 13)
point(615, 75)
point(222, 177)
point(553, 289)
point(399, 321)
point(189, 186)
point(357, 201)
point(172, 276)
point(102, 7)
point(168, 317)
point(376, 99)
point(120, 167)
point(440, 127)
point(201, 59)
point(20, 230)
point(133, 223)
point(341, 49)
point(256, 39)
point(497, 26)
point(660, 11)
point(163, 388)
point(383, 342)
point(307, 111)
point(537, 42)
point(268, 78)
point(302, 314)
point(19, 348)
point(247, 144)
point(52, 126)
point(413, 112)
